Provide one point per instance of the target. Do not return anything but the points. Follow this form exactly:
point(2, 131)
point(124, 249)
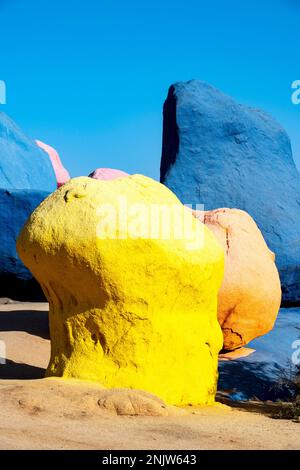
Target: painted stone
point(16, 281)
point(250, 295)
point(129, 306)
point(220, 153)
point(62, 175)
point(107, 174)
point(22, 164)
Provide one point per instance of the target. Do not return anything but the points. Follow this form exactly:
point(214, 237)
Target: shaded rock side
point(22, 164)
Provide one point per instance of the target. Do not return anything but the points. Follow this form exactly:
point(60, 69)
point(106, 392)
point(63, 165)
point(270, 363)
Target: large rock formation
point(26, 178)
point(250, 295)
point(62, 175)
point(219, 153)
point(22, 164)
point(107, 174)
point(129, 306)
point(15, 280)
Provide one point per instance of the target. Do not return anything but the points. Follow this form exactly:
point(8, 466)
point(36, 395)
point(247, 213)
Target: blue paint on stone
point(269, 373)
point(15, 208)
point(23, 165)
point(220, 153)
point(26, 178)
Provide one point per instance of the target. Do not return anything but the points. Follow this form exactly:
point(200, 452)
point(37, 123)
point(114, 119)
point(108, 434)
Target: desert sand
point(38, 413)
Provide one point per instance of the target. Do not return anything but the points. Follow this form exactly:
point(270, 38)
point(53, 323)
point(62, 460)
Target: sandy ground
point(38, 413)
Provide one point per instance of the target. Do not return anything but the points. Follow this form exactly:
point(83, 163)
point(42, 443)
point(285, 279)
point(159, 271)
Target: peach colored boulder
point(107, 174)
point(250, 295)
point(62, 175)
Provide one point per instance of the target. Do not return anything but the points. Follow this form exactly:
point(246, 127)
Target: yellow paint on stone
point(127, 311)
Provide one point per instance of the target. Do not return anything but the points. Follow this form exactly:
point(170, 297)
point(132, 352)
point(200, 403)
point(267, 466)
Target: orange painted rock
point(250, 295)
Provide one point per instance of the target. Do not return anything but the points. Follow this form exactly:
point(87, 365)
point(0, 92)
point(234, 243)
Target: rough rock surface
point(121, 300)
point(220, 153)
point(15, 207)
point(107, 174)
point(250, 295)
point(26, 178)
point(62, 175)
point(22, 164)
point(270, 373)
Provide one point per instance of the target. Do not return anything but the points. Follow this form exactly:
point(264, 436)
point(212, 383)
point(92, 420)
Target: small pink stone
point(107, 174)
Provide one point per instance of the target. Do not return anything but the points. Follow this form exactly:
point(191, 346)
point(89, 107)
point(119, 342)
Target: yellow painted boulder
point(132, 281)
point(250, 296)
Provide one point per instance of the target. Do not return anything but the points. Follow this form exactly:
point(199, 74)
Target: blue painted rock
point(220, 153)
point(26, 178)
point(250, 295)
point(15, 207)
point(270, 372)
point(23, 165)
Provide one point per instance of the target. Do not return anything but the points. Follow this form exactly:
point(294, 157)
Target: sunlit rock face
point(22, 164)
point(250, 295)
point(128, 308)
point(220, 153)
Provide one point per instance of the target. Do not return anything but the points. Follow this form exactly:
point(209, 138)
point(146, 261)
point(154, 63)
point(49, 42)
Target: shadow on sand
point(34, 322)
point(14, 371)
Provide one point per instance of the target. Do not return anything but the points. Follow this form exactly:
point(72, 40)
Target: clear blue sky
point(90, 77)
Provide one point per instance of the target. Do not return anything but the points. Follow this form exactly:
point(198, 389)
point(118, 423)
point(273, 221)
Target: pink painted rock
point(62, 175)
point(107, 174)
